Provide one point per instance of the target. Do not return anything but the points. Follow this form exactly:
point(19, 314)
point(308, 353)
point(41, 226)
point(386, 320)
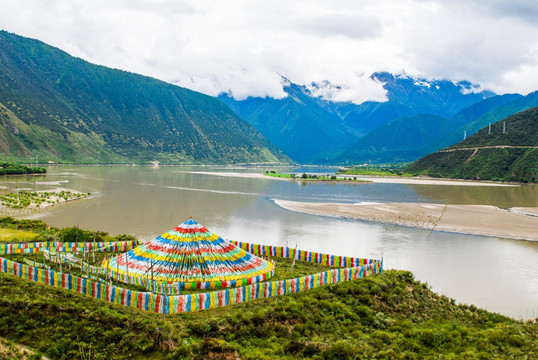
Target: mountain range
point(296, 124)
point(420, 116)
point(61, 108)
point(407, 139)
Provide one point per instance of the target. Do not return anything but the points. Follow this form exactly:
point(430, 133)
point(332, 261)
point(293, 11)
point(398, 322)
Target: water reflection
point(503, 197)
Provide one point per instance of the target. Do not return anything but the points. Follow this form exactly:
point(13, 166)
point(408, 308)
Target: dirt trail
point(476, 148)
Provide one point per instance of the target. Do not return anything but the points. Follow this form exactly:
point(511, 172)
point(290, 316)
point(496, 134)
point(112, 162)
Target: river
point(500, 275)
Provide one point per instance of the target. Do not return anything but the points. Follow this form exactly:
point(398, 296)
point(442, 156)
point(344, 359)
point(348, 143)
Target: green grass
point(283, 268)
point(49, 233)
point(273, 174)
point(33, 199)
point(13, 351)
point(12, 235)
point(385, 316)
point(377, 170)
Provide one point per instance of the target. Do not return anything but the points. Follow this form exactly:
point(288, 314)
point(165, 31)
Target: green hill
point(471, 123)
point(65, 109)
point(409, 138)
point(387, 316)
point(398, 141)
point(509, 155)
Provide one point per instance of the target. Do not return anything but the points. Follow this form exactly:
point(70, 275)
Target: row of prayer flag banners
point(73, 247)
point(303, 255)
point(169, 304)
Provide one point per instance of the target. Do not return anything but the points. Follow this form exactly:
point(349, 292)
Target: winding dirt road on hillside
point(476, 148)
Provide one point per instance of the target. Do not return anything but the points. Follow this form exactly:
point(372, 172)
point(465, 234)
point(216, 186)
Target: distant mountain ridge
point(310, 129)
point(407, 139)
point(408, 96)
point(508, 151)
point(296, 124)
point(63, 108)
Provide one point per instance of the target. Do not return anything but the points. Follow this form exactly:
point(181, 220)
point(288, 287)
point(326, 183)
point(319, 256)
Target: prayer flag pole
point(127, 266)
point(294, 257)
point(117, 266)
point(93, 249)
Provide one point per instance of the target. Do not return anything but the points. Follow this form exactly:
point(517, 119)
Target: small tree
point(74, 234)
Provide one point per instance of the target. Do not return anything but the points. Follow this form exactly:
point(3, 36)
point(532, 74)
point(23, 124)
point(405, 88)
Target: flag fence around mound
point(189, 257)
point(36, 247)
point(303, 255)
point(170, 304)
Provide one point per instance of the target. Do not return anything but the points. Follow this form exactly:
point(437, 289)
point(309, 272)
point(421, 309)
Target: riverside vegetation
point(387, 316)
point(376, 170)
point(37, 199)
point(312, 177)
point(10, 168)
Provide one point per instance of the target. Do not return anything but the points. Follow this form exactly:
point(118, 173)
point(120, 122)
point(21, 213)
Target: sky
point(246, 47)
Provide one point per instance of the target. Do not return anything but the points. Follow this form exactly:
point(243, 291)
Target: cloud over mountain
point(243, 47)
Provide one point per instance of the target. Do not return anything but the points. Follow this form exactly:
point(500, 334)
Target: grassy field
point(13, 235)
point(376, 170)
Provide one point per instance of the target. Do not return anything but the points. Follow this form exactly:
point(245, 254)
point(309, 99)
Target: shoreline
point(33, 210)
point(369, 179)
point(483, 220)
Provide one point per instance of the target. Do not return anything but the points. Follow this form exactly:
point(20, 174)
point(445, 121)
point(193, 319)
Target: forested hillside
point(507, 151)
point(65, 109)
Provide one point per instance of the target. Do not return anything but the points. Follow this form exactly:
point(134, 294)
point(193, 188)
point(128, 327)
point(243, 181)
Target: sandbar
point(483, 220)
point(373, 179)
point(237, 174)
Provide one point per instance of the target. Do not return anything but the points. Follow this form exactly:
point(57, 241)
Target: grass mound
point(385, 316)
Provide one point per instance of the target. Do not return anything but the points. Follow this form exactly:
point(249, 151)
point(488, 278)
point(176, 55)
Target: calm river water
point(497, 274)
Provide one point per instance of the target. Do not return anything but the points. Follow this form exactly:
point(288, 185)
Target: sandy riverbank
point(237, 174)
point(429, 181)
point(374, 179)
point(54, 197)
point(466, 219)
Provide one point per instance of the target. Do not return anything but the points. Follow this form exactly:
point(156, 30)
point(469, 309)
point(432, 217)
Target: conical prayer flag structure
point(190, 256)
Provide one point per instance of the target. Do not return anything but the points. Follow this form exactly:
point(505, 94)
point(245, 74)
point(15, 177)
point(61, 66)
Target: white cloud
point(242, 46)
